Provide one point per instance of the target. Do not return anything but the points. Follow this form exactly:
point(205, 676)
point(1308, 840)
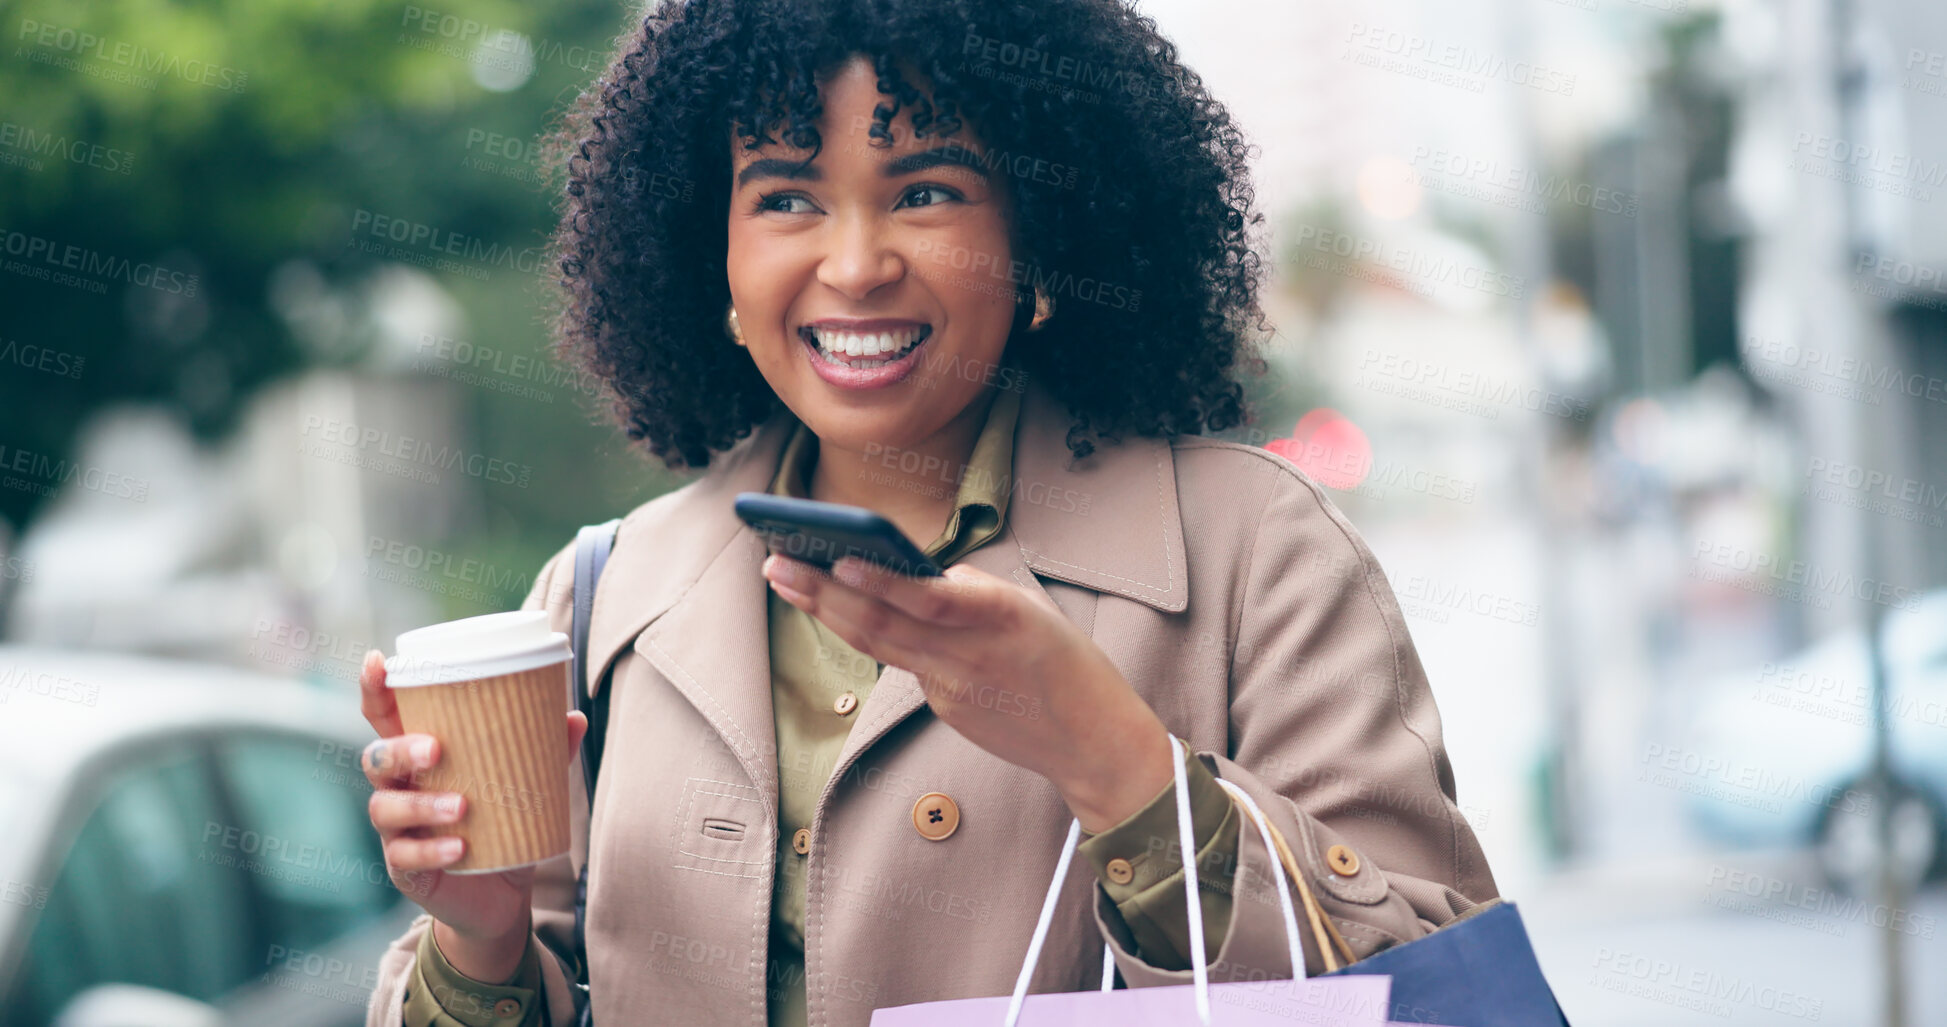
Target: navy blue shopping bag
point(1479, 971)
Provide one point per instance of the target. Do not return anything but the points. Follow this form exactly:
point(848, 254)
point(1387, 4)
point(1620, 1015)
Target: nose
point(860, 258)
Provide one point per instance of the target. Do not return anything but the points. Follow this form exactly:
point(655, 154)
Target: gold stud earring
point(732, 328)
point(1044, 308)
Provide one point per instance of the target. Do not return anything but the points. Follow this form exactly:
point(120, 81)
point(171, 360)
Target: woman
point(984, 269)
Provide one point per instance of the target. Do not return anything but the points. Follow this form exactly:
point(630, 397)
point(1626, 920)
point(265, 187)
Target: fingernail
point(849, 570)
point(422, 752)
point(375, 754)
point(785, 572)
point(449, 849)
point(447, 806)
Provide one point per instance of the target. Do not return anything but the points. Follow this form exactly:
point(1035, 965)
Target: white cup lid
point(475, 647)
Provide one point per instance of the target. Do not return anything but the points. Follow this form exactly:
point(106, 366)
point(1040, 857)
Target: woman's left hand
point(1005, 669)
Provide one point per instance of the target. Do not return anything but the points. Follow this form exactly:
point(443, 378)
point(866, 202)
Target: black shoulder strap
point(592, 545)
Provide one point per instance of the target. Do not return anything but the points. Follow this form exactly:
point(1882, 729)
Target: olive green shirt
point(818, 686)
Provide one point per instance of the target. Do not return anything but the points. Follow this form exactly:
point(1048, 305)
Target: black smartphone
point(822, 533)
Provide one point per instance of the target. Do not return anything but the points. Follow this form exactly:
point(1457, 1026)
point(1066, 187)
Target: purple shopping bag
point(1323, 1002)
point(1332, 1002)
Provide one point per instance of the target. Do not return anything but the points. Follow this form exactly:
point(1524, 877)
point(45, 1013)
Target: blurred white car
point(1780, 754)
point(184, 845)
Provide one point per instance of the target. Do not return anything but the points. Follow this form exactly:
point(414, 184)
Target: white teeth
point(835, 361)
point(832, 344)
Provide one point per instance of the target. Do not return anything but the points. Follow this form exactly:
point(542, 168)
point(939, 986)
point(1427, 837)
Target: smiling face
point(861, 281)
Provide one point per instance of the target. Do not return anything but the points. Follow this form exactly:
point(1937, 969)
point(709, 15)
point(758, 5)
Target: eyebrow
point(952, 155)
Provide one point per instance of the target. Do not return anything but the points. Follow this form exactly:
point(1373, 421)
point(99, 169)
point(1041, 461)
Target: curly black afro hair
point(1160, 207)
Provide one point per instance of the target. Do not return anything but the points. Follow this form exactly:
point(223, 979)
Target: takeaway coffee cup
point(494, 691)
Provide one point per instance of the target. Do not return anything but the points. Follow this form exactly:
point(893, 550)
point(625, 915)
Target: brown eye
point(922, 190)
point(778, 202)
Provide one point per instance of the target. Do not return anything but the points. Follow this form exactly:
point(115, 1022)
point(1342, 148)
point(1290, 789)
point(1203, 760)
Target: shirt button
point(507, 1007)
point(801, 841)
point(845, 703)
point(1120, 871)
point(1343, 861)
point(936, 816)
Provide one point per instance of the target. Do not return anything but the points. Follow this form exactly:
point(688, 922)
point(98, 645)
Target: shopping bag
point(1477, 970)
point(1352, 1001)
point(1337, 1002)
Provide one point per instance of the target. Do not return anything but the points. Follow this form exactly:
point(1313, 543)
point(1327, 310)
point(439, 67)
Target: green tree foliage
point(165, 165)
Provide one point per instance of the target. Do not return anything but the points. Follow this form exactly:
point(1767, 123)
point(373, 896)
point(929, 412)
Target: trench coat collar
point(684, 585)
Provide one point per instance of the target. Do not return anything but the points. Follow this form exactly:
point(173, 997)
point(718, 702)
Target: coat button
point(1343, 861)
point(507, 1007)
point(936, 816)
point(1120, 871)
point(801, 841)
point(845, 703)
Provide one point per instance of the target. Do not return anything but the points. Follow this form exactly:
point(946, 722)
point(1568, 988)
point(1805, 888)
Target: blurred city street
point(1685, 942)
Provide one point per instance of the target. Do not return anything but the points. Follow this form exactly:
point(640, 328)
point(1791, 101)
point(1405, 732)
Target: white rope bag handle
point(1199, 968)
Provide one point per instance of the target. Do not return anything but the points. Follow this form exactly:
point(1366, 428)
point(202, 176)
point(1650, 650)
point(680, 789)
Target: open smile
point(867, 355)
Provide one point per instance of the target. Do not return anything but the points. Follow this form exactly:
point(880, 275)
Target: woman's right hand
point(485, 917)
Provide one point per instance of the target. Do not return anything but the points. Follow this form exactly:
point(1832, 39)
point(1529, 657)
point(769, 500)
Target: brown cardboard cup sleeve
point(494, 691)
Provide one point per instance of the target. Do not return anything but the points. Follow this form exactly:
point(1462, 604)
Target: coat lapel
point(1107, 522)
point(684, 585)
point(714, 647)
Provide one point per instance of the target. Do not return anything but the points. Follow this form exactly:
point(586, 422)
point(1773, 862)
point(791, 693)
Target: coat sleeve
point(441, 996)
point(1147, 887)
point(1335, 735)
point(554, 880)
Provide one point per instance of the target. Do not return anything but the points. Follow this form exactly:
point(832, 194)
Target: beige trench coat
point(1225, 586)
